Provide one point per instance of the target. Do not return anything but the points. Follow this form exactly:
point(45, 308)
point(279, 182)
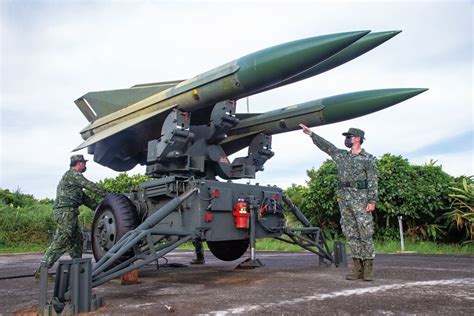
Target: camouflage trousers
point(357, 224)
point(199, 249)
point(68, 236)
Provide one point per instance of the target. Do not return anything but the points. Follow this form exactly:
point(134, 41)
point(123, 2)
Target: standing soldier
point(357, 195)
point(69, 196)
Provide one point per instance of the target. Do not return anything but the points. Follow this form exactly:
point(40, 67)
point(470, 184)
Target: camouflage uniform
point(69, 196)
point(357, 188)
point(199, 249)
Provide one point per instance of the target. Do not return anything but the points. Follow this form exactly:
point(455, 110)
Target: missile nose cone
point(278, 63)
point(352, 105)
point(381, 37)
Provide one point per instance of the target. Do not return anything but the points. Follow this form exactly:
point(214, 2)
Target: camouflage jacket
point(351, 168)
point(70, 192)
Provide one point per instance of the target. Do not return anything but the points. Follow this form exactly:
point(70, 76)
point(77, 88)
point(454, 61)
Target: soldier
point(199, 253)
point(357, 195)
point(69, 196)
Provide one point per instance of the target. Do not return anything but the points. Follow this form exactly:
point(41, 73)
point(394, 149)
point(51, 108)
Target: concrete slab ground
point(289, 284)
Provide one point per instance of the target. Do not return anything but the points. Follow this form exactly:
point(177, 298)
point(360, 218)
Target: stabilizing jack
point(252, 262)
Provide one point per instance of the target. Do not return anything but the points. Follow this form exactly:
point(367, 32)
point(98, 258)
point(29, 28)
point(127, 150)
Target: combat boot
point(357, 270)
point(368, 265)
point(198, 260)
point(37, 275)
point(199, 253)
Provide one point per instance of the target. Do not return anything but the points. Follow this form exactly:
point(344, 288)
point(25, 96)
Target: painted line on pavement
point(345, 293)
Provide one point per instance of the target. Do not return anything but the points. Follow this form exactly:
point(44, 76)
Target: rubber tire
point(126, 219)
point(228, 250)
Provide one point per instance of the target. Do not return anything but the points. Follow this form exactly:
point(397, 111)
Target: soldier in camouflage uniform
point(69, 196)
point(357, 195)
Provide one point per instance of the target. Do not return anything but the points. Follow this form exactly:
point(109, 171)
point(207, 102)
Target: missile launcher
point(184, 132)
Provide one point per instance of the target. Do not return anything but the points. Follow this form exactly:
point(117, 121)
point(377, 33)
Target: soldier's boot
point(357, 271)
point(37, 275)
point(368, 274)
point(198, 248)
point(199, 259)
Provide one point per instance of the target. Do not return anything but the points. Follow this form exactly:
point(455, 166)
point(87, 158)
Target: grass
point(425, 247)
point(25, 225)
point(270, 244)
point(22, 248)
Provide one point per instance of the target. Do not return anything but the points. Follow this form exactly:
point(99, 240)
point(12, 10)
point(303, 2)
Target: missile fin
point(105, 102)
point(117, 128)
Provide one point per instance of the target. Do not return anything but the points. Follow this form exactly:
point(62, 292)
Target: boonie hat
point(355, 132)
point(77, 158)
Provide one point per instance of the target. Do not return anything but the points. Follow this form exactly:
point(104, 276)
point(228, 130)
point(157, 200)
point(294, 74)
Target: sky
point(53, 52)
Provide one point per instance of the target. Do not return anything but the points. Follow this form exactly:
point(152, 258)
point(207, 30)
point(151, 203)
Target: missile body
point(314, 113)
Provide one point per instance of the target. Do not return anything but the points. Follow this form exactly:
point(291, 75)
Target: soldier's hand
point(370, 207)
point(306, 129)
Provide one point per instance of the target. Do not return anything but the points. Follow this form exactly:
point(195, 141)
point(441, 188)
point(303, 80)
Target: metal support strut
point(312, 239)
point(105, 270)
point(252, 262)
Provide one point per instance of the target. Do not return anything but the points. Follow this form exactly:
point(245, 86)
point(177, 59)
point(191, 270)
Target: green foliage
point(25, 224)
point(16, 198)
point(418, 193)
point(421, 194)
point(321, 195)
point(123, 183)
point(425, 247)
point(86, 215)
point(461, 218)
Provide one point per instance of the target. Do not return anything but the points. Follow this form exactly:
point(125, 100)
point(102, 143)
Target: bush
point(461, 218)
point(25, 224)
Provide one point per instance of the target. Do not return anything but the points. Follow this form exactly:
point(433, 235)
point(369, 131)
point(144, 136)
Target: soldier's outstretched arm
point(322, 144)
point(89, 185)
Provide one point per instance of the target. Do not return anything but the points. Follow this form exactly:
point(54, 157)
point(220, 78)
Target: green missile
point(242, 77)
point(314, 113)
point(360, 47)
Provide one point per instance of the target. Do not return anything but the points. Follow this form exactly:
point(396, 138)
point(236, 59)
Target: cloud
point(460, 143)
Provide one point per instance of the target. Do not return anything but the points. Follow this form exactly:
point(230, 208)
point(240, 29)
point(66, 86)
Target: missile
point(356, 49)
point(314, 113)
point(239, 78)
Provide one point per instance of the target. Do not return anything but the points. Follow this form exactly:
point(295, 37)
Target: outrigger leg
point(312, 239)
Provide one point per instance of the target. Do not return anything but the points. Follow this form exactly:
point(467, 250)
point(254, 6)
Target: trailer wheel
point(114, 217)
point(228, 250)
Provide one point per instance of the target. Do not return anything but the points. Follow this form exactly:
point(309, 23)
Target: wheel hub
point(106, 230)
